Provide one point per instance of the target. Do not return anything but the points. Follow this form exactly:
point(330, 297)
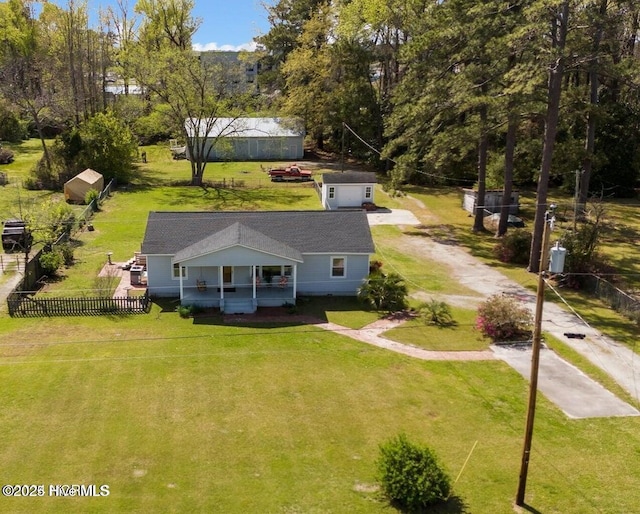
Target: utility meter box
point(556, 260)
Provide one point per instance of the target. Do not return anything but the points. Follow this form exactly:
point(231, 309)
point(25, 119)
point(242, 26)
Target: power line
point(602, 365)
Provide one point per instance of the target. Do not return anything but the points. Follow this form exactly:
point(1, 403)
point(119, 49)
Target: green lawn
point(460, 336)
point(193, 415)
point(182, 415)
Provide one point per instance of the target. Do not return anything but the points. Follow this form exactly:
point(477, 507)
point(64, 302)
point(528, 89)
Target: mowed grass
point(15, 200)
point(197, 416)
point(461, 335)
point(187, 416)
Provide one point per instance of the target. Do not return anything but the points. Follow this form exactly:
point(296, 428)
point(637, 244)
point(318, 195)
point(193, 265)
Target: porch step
point(239, 306)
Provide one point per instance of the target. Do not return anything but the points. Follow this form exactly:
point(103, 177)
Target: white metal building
point(248, 139)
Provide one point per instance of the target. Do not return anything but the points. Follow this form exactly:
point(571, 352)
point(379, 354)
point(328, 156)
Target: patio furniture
point(283, 282)
point(201, 285)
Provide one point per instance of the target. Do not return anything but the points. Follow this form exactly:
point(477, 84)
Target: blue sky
point(226, 24)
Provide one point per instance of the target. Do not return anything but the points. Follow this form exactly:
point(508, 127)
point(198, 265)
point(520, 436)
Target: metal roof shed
point(76, 188)
point(246, 139)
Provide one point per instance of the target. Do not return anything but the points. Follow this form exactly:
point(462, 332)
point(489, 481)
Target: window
point(332, 192)
point(367, 192)
point(176, 271)
point(338, 267)
point(283, 271)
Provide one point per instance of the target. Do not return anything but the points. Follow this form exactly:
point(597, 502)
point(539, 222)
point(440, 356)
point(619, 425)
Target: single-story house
point(239, 261)
point(246, 139)
point(349, 189)
point(492, 201)
point(76, 188)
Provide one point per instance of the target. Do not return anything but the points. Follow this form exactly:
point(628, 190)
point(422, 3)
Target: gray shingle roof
point(238, 235)
point(342, 231)
point(349, 177)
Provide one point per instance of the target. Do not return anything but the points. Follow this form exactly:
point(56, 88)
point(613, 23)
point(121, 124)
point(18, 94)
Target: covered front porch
point(237, 269)
point(244, 288)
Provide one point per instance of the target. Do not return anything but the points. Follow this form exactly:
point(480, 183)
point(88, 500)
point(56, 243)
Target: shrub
point(513, 247)
point(92, 196)
point(582, 252)
point(51, 261)
point(12, 129)
point(6, 156)
point(384, 292)
point(411, 475)
point(375, 266)
point(503, 318)
point(435, 312)
point(184, 310)
point(66, 250)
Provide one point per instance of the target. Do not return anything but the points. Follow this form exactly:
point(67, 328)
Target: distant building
point(247, 139)
point(492, 201)
point(115, 86)
point(240, 68)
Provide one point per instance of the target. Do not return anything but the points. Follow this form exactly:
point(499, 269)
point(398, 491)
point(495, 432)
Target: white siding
point(346, 195)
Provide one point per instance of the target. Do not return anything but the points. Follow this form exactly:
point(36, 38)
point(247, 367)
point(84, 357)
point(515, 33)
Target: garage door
point(349, 196)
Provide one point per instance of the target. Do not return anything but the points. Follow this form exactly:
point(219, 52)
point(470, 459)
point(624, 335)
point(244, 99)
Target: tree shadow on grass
point(308, 311)
point(454, 505)
point(529, 508)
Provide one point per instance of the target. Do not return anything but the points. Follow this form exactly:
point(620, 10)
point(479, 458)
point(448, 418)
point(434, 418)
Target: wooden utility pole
point(342, 152)
point(535, 357)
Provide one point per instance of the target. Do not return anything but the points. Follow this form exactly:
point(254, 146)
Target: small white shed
point(492, 201)
point(76, 188)
point(348, 190)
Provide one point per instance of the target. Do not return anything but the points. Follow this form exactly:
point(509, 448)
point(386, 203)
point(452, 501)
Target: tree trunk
point(196, 174)
point(559, 32)
point(483, 149)
point(45, 150)
point(508, 173)
point(589, 143)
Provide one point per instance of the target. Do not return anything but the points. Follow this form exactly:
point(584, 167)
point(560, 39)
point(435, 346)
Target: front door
point(227, 275)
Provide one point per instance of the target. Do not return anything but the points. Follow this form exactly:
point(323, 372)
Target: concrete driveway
point(392, 217)
point(577, 395)
point(562, 383)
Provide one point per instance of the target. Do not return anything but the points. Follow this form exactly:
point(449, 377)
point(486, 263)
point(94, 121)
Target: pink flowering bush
point(504, 318)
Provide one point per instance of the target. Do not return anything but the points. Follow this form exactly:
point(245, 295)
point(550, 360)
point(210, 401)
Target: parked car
point(290, 173)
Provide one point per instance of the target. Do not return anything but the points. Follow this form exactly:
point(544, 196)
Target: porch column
point(253, 280)
point(181, 284)
point(220, 282)
point(295, 280)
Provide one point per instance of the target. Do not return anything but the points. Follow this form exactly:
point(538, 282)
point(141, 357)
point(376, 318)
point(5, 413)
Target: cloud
point(250, 47)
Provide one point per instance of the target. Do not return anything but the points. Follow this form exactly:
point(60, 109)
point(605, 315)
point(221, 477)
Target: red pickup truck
point(292, 173)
